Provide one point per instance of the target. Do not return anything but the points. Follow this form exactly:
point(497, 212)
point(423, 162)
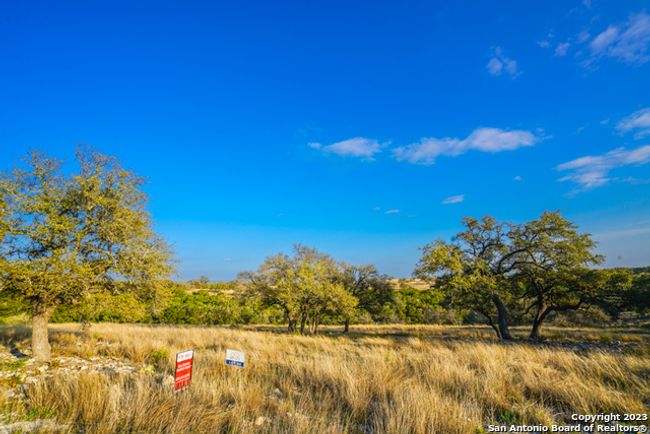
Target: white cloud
point(604, 39)
point(377, 208)
point(359, 147)
point(517, 178)
point(314, 145)
point(499, 64)
point(544, 43)
point(628, 42)
point(481, 139)
point(562, 49)
point(392, 211)
point(638, 121)
point(453, 199)
point(592, 171)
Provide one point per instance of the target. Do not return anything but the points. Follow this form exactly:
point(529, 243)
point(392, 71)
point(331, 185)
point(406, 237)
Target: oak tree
point(552, 261)
point(306, 286)
point(474, 269)
point(68, 235)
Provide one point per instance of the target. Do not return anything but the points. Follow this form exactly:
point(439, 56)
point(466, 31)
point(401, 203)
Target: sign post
point(235, 358)
point(183, 374)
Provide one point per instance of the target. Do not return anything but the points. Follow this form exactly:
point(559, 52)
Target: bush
point(120, 308)
point(201, 308)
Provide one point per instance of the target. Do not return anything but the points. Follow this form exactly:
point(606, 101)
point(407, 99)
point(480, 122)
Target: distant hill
point(232, 287)
point(410, 283)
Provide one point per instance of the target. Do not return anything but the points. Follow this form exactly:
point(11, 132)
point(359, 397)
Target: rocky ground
point(18, 371)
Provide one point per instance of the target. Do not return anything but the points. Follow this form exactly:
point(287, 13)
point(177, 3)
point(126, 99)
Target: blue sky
point(365, 129)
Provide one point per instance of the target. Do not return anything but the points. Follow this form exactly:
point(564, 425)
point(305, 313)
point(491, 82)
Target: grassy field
point(379, 379)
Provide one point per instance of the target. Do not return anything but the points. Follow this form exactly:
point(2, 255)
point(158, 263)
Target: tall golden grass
point(378, 380)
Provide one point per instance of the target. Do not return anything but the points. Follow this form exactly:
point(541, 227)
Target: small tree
point(305, 285)
point(274, 285)
point(552, 259)
point(573, 289)
point(474, 269)
point(637, 297)
point(67, 236)
point(372, 290)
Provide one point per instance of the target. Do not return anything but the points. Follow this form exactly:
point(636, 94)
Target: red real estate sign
point(183, 376)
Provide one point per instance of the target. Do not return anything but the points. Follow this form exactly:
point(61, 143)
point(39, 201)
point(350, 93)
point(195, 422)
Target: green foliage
point(420, 307)
point(473, 270)
point(39, 413)
point(637, 297)
point(66, 236)
point(121, 307)
point(200, 308)
point(551, 269)
point(508, 417)
point(157, 357)
point(307, 286)
point(253, 311)
point(11, 306)
point(374, 293)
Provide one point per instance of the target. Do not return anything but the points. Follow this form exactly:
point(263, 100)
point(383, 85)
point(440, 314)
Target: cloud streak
point(359, 147)
point(490, 140)
point(593, 171)
point(454, 199)
point(638, 121)
point(628, 42)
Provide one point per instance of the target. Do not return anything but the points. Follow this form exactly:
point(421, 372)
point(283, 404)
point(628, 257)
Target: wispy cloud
point(392, 211)
point(428, 149)
point(593, 171)
point(562, 49)
point(628, 42)
point(518, 178)
point(359, 147)
point(622, 233)
point(638, 121)
point(500, 64)
point(454, 199)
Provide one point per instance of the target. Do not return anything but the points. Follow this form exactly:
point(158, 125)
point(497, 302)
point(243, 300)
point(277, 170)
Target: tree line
point(79, 245)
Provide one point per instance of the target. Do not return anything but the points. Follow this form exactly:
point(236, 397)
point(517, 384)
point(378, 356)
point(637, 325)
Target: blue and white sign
point(235, 358)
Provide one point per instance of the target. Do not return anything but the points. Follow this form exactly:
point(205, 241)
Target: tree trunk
point(40, 339)
point(502, 318)
point(494, 327)
point(292, 325)
point(303, 322)
point(346, 329)
point(535, 330)
point(491, 323)
point(540, 316)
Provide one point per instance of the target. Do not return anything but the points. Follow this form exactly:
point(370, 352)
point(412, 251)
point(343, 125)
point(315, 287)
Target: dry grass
point(391, 379)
